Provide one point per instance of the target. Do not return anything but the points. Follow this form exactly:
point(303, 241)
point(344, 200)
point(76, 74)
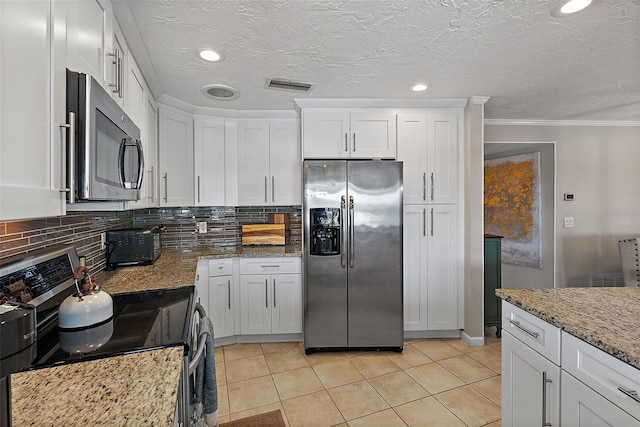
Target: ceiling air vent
point(288, 85)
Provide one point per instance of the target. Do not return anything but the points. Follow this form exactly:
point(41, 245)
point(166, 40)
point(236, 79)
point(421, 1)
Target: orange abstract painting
point(512, 208)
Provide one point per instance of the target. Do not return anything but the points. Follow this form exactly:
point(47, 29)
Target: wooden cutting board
point(263, 234)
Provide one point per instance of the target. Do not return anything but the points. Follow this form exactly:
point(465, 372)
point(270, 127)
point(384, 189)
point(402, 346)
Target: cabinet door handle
point(431, 227)
point(354, 142)
point(168, 324)
point(117, 61)
point(630, 393)
point(152, 182)
point(522, 328)
point(273, 188)
point(70, 164)
point(424, 222)
point(166, 187)
point(274, 293)
point(424, 186)
point(265, 189)
point(229, 292)
point(432, 186)
point(545, 381)
point(346, 142)
point(266, 293)
point(198, 189)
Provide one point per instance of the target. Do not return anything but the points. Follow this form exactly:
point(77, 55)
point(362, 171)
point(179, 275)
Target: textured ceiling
point(533, 66)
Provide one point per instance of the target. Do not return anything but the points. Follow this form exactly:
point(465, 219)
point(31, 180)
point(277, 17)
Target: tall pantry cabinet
point(428, 146)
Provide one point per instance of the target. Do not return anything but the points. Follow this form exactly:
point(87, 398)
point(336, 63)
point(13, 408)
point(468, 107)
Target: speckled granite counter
point(177, 267)
point(606, 318)
point(100, 393)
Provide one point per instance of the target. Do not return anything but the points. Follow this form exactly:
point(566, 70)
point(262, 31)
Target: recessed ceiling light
point(419, 87)
point(210, 55)
point(568, 7)
point(220, 92)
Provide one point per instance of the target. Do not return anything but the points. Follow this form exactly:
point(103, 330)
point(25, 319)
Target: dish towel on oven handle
point(205, 390)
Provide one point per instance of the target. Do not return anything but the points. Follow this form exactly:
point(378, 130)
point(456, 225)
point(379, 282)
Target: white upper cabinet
point(269, 163)
point(339, 133)
point(175, 145)
point(89, 37)
point(428, 142)
point(209, 161)
point(32, 109)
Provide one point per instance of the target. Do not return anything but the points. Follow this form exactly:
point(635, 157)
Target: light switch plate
point(568, 222)
point(202, 227)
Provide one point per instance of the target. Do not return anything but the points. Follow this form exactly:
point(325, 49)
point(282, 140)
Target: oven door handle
point(193, 363)
point(202, 341)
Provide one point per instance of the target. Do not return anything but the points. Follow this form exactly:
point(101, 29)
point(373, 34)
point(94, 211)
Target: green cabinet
point(492, 281)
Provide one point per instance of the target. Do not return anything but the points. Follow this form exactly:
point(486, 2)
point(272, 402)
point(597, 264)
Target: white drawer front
point(220, 267)
point(602, 372)
point(541, 336)
point(270, 265)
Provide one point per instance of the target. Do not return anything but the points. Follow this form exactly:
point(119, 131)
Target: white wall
point(601, 167)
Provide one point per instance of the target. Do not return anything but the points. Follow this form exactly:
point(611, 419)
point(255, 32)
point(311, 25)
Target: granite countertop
point(177, 267)
point(101, 392)
point(606, 318)
point(134, 389)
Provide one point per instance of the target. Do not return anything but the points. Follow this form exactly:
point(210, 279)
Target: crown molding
point(479, 100)
point(565, 123)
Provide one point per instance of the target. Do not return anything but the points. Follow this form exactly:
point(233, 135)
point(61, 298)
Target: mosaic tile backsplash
point(83, 229)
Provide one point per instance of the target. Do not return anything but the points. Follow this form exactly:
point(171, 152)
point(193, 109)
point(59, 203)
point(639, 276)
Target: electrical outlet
point(202, 227)
point(103, 240)
point(568, 222)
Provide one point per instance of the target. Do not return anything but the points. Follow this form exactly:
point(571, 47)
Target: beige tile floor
point(433, 382)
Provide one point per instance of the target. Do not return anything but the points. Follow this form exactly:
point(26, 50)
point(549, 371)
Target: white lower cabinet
point(552, 378)
point(270, 296)
point(430, 267)
point(530, 386)
point(583, 407)
point(215, 284)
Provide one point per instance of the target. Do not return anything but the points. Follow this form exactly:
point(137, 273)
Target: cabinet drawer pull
point(270, 266)
point(545, 380)
point(631, 393)
point(519, 326)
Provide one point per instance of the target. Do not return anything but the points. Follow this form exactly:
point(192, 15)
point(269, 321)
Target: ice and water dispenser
point(325, 231)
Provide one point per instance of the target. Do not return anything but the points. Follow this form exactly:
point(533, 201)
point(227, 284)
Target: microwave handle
point(140, 163)
point(121, 154)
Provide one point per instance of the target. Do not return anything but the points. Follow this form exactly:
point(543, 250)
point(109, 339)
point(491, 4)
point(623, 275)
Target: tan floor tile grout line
point(362, 371)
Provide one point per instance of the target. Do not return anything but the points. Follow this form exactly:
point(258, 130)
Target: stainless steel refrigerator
point(352, 216)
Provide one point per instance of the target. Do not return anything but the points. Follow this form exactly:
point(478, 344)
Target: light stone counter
point(177, 267)
point(130, 390)
point(607, 318)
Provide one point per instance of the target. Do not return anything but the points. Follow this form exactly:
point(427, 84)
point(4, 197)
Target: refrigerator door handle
point(352, 254)
point(343, 205)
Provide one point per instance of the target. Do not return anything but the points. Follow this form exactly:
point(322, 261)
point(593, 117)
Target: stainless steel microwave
point(104, 155)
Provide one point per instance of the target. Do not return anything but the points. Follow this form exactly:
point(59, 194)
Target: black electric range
point(141, 321)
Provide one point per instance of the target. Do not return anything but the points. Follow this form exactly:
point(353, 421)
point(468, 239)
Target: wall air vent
point(281, 84)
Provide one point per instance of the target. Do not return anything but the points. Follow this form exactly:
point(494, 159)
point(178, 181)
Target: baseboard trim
point(472, 341)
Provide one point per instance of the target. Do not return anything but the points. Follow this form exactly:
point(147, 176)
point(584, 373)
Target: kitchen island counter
point(134, 389)
point(606, 318)
point(177, 267)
